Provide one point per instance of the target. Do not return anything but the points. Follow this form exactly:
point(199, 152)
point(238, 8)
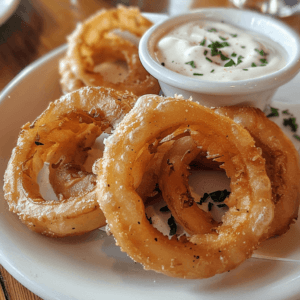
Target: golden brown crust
point(61, 136)
point(282, 163)
point(93, 42)
point(204, 255)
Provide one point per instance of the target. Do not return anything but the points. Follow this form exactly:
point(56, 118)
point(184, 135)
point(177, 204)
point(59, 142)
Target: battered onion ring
point(205, 254)
point(173, 182)
point(92, 43)
point(282, 163)
point(61, 136)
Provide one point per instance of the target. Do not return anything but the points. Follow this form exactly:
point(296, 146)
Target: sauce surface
point(217, 51)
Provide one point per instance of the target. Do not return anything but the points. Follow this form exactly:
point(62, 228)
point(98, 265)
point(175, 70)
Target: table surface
point(39, 26)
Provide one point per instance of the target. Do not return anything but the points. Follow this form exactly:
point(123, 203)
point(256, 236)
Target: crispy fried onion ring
point(61, 137)
point(282, 163)
point(93, 43)
point(203, 255)
point(173, 182)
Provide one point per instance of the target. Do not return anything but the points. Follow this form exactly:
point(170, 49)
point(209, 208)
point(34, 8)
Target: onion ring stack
point(61, 137)
point(94, 42)
point(250, 212)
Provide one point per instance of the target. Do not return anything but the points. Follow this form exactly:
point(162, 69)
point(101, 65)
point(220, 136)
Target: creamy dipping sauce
point(217, 51)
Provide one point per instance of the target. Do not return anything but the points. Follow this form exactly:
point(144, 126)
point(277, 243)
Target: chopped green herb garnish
point(291, 122)
point(164, 209)
point(245, 69)
point(205, 52)
point(243, 47)
point(212, 70)
point(263, 60)
point(212, 30)
point(233, 54)
point(233, 35)
point(286, 112)
point(172, 225)
point(214, 51)
point(274, 112)
point(240, 59)
point(210, 205)
point(223, 39)
point(215, 45)
point(223, 57)
point(253, 65)
point(296, 136)
point(261, 52)
point(172, 61)
point(225, 44)
point(230, 63)
point(191, 63)
point(203, 42)
point(219, 196)
point(39, 143)
point(203, 199)
point(208, 59)
point(197, 74)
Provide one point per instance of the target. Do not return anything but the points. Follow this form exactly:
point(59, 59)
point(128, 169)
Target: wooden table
point(37, 27)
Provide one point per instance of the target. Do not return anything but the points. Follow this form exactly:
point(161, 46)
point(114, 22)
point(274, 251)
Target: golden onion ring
point(62, 136)
point(282, 163)
point(93, 43)
point(204, 255)
point(173, 182)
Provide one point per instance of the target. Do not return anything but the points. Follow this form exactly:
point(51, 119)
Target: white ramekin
point(256, 92)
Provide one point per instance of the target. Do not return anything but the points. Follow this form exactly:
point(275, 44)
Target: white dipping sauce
point(217, 51)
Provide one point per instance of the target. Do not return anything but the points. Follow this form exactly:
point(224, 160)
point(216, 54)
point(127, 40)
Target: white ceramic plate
point(91, 267)
point(7, 8)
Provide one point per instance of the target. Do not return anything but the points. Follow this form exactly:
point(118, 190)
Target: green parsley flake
point(245, 69)
point(274, 112)
point(243, 47)
point(205, 52)
point(212, 30)
point(215, 45)
point(233, 54)
point(230, 63)
point(253, 65)
point(203, 42)
point(219, 196)
point(197, 74)
point(291, 122)
point(223, 39)
point(286, 112)
point(212, 70)
point(208, 59)
point(172, 225)
point(191, 63)
point(263, 60)
point(233, 35)
point(296, 136)
point(164, 209)
point(240, 59)
point(223, 57)
point(261, 52)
